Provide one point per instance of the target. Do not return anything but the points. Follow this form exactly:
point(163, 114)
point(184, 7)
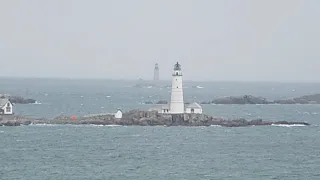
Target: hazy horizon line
point(151, 80)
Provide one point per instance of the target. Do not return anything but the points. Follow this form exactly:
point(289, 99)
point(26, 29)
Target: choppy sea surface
point(117, 152)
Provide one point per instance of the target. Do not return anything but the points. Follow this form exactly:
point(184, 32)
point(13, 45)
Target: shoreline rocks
point(145, 118)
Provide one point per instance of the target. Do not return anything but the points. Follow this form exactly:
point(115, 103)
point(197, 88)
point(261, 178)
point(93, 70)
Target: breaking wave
point(45, 124)
point(288, 125)
point(110, 125)
point(215, 126)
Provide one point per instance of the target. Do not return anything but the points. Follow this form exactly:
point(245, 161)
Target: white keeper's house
point(6, 107)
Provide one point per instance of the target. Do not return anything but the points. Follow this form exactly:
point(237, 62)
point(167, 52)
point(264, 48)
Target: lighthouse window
point(176, 73)
point(176, 79)
point(177, 87)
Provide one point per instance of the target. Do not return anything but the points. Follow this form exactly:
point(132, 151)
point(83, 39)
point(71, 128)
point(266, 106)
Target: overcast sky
point(218, 40)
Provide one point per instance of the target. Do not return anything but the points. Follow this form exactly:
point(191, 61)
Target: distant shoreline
point(168, 79)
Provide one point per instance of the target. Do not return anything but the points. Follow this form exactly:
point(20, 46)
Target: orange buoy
point(73, 117)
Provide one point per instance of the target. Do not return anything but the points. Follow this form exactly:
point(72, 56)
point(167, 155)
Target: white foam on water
point(113, 125)
point(288, 125)
point(135, 135)
point(98, 125)
point(37, 102)
point(44, 124)
point(215, 126)
point(101, 125)
point(95, 125)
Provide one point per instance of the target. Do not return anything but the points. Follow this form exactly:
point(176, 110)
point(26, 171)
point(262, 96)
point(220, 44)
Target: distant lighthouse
point(177, 104)
point(156, 73)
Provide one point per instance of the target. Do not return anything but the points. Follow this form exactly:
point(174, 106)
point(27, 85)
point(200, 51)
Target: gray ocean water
point(116, 152)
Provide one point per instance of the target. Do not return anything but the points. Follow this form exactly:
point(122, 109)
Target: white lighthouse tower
point(156, 73)
point(177, 104)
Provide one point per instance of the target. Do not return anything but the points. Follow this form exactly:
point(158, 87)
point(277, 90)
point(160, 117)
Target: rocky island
point(170, 114)
point(158, 102)
point(308, 99)
point(249, 99)
point(18, 99)
point(144, 118)
point(21, 100)
point(246, 99)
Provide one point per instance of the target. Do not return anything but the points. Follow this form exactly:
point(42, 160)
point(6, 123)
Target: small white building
point(118, 114)
point(194, 108)
point(165, 108)
point(6, 106)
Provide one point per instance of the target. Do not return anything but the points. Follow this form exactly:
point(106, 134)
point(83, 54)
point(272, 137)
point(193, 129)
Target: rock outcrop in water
point(162, 102)
point(308, 99)
point(246, 99)
point(249, 99)
point(145, 118)
point(21, 100)
point(18, 99)
point(158, 102)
